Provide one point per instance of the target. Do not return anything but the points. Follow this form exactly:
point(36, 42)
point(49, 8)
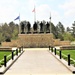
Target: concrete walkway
point(38, 62)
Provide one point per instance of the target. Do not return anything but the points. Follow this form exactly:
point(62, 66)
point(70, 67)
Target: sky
point(61, 10)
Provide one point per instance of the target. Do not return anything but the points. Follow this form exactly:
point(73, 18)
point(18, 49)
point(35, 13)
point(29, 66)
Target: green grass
point(2, 53)
point(65, 55)
point(66, 52)
point(8, 54)
point(71, 52)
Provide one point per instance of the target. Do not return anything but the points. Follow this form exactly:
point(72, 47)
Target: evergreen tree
point(68, 29)
point(60, 30)
point(73, 29)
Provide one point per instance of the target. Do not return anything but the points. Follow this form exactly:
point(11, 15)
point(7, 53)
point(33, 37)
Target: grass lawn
point(65, 55)
point(2, 53)
point(66, 52)
point(8, 54)
point(71, 52)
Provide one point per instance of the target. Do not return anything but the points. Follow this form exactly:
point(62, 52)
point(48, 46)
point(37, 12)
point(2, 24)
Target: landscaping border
point(10, 63)
point(65, 63)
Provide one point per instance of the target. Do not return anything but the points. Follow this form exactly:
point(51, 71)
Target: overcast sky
point(61, 10)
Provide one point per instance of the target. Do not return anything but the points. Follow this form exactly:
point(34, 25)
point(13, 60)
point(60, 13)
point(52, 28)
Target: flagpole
point(50, 24)
point(34, 15)
point(34, 10)
point(19, 23)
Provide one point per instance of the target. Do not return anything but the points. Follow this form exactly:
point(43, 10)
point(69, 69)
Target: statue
point(41, 27)
point(47, 27)
point(28, 27)
point(35, 26)
point(22, 28)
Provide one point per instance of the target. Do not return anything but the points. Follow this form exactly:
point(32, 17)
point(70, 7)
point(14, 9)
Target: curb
point(10, 63)
point(65, 63)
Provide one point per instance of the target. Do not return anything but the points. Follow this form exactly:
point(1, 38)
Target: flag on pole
point(34, 14)
point(17, 18)
point(33, 10)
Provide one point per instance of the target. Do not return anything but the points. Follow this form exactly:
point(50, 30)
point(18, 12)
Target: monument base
point(35, 40)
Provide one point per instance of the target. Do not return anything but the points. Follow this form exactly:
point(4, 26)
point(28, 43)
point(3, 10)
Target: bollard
point(5, 61)
point(22, 48)
point(60, 54)
point(52, 49)
point(12, 55)
point(19, 49)
point(68, 59)
point(17, 52)
point(55, 51)
point(49, 48)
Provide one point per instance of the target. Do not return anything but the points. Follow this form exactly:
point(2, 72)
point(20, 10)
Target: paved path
point(37, 62)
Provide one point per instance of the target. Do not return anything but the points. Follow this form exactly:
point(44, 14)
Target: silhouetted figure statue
point(35, 27)
point(22, 28)
point(28, 27)
point(41, 27)
point(47, 27)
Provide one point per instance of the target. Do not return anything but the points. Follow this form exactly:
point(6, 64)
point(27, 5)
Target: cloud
point(69, 8)
point(7, 10)
point(43, 13)
point(10, 9)
point(68, 4)
point(68, 12)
